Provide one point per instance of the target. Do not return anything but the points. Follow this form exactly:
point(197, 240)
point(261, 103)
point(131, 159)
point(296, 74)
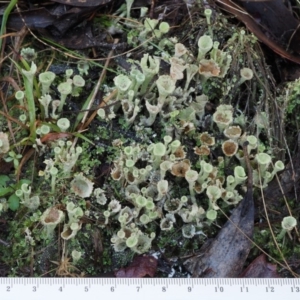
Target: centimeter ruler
point(149, 288)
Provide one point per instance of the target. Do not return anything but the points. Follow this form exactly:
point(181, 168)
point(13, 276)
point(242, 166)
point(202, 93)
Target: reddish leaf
point(140, 267)
point(260, 268)
point(53, 136)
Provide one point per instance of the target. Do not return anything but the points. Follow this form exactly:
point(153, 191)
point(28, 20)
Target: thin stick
point(100, 80)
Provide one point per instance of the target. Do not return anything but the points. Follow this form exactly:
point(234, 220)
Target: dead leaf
point(289, 181)
point(277, 21)
point(141, 266)
point(36, 18)
point(84, 3)
point(263, 32)
point(82, 38)
point(53, 136)
point(6, 167)
point(260, 268)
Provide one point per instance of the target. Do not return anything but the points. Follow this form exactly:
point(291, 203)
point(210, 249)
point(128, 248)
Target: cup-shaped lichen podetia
point(164, 27)
point(24, 194)
point(253, 142)
point(239, 174)
point(230, 148)
point(179, 168)
point(50, 219)
point(70, 230)
point(211, 215)
point(191, 71)
point(46, 78)
point(191, 176)
point(45, 101)
point(162, 188)
point(153, 111)
point(173, 205)
point(206, 169)
point(78, 83)
point(132, 240)
point(55, 105)
point(205, 43)
point(223, 117)
point(76, 255)
point(63, 124)
point(122, 83)
point(177, 68)
point(278, 166)
point(166, 223)
point(28, 81)
point(287, 224)
point(214, 193)
point(246, 74)
point(53, 171)
point(188, 231)
point(158, 151)
point(233, 132)
point(65, 88)
point(4, 143)
point(20, 97)
point(150, 67)
point(263, 160)
point(180, 50)
point(74, 212)
point(29, 75)
point(166, 86)
point(238, 178)
point(206, 139)
point(208, 68)
point(164, 167)
point(82, 186)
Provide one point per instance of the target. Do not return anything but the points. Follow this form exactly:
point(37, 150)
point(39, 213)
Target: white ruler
point(148, 289)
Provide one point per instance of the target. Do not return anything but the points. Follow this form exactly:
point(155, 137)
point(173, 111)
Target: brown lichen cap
point(202, 150)
point(179, 153)
point(230, 147)
point(116, 173)
point(179, 169)
point(207, 139)
point(246, 73)
point(233, 132)
point(180, 49)
point(209, 68)
point(223, 116)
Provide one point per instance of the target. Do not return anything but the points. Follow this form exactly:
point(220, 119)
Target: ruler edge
point(149, 281)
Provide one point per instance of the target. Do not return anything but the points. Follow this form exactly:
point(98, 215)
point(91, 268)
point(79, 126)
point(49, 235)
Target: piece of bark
point(225, 255)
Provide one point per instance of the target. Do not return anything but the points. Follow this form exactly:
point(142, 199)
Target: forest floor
point(132, 136)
